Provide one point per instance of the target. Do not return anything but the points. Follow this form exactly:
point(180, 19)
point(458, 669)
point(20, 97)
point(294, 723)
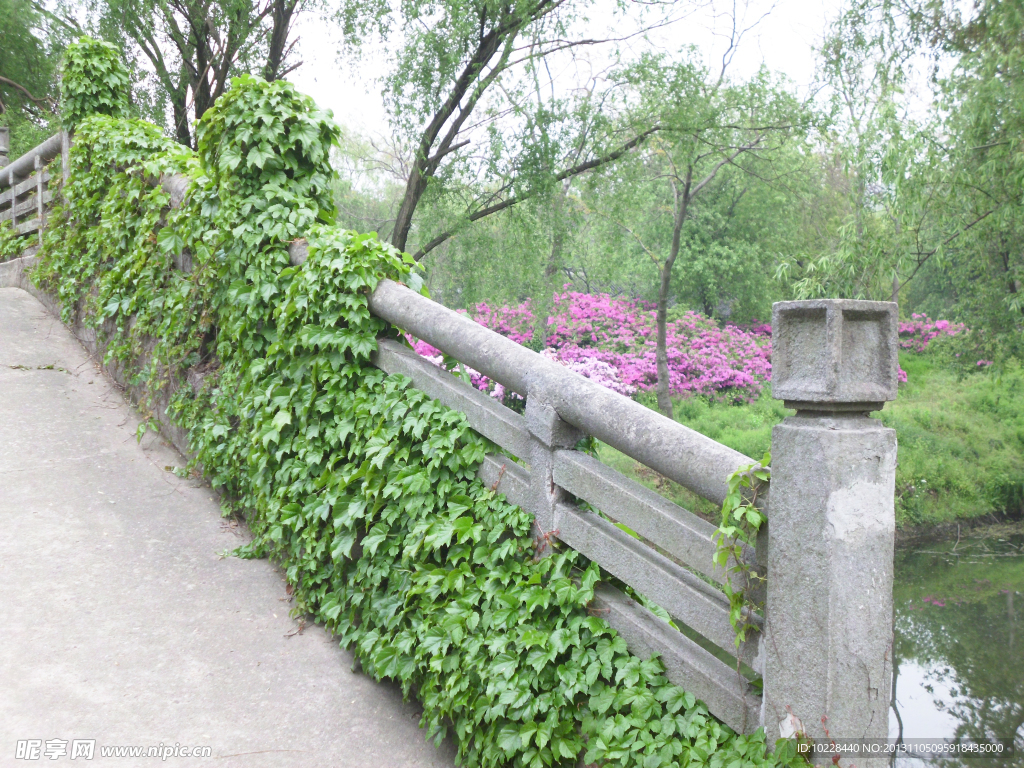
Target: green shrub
point(11, 245)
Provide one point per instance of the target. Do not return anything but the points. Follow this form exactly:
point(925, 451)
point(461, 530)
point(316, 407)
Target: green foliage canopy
point(937, 201)
point(28, 52)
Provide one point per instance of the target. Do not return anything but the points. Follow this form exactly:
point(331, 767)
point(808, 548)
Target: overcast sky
point(785, 40)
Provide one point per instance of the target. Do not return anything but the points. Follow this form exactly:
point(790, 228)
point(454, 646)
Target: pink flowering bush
point(612, 340)
point(596, 370)
point(730, 363)
point(921, 330)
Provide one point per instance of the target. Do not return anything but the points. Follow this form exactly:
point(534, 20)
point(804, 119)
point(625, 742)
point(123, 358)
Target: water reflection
point(958, 656)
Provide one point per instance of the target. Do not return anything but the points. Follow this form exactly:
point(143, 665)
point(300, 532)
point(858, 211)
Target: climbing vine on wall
point(364, 489)
point(10, 243)
point(94, 81)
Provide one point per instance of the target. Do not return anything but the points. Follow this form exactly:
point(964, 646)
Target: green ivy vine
point(741, 520)
point(363, 488)
point(10, 243)
point(94, 81)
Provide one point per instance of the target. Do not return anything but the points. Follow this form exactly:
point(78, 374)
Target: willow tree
point(716, 138)
point(947, 189)
point(471, 95)
point(31, 43)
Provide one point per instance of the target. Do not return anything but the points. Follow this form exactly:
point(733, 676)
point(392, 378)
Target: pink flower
point(917, 334)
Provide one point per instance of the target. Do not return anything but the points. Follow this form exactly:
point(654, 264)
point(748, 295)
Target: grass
point(961, 442)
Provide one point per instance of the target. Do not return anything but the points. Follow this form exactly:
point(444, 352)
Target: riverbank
point(961, 445)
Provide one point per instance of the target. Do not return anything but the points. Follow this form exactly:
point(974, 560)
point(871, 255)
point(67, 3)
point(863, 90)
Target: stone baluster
point(14, 200)
point(548, 432)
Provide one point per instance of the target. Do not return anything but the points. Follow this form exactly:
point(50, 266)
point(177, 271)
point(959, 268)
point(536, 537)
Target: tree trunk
point(414, 189)
point(282, 16)
point(182, 132)
point(549, 283)
point(664, 395)
point(682, 204)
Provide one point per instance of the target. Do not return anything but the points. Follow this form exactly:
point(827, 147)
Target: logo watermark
point(86, 749)
point(919, 748)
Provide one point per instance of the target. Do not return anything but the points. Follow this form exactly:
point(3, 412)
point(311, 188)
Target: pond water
point(958, 656)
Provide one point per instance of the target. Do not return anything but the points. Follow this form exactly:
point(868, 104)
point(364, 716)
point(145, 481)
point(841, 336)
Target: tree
point(195, 47)
point(710, 129)
point(947, 199)
point(470, 72)
point(873, 137)
point(29, 50)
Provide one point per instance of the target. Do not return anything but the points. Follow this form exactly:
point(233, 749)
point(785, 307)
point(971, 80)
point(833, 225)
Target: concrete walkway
point(121, 623)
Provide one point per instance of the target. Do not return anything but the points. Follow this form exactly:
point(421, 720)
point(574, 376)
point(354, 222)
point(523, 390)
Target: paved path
point(120, 622)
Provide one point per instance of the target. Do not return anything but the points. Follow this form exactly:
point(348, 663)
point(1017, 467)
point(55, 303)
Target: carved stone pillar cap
point(834, 354)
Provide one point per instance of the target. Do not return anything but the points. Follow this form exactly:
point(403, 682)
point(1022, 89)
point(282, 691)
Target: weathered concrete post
point(14, 199)
point(547, 433)
point(5, 146)
point(40, 188)
point(828, 633)
point(65, 154)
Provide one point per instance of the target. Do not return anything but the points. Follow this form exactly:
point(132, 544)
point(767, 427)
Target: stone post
point(828, 629)
point(65, 154)
point(547, 433)
point(14, 200)
point(5, 146)
point(40, 188)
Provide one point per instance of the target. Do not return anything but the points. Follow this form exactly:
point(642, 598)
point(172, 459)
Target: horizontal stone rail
point(25, 166)
point(823, 645)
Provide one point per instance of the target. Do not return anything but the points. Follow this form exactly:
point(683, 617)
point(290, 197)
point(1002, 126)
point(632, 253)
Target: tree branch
point(43, 100)
point(569, 173)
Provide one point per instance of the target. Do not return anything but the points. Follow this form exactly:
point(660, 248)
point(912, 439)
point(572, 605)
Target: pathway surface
point(121, 623)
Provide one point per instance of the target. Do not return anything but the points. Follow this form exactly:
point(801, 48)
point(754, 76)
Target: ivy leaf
point(509, 740)
point(601, 701)
point(374, 538)
point(169, 241)
point(505, 665)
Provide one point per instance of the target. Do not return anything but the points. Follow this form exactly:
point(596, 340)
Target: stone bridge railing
point(823, 645)
point(25, 194)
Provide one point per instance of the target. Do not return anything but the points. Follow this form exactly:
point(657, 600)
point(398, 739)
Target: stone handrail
point(24, 166)
point(24, 184)
point(827, 630)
